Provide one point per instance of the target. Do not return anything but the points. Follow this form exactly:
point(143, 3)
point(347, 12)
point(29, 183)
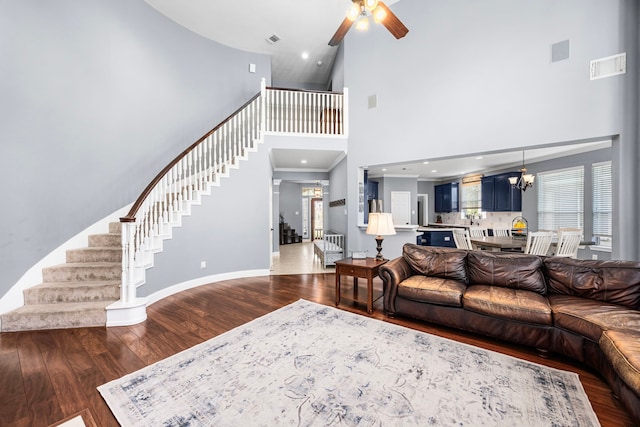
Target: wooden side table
point(365, 268)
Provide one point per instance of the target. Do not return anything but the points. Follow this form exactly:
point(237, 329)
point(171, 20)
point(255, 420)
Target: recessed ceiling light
point(425, 163)
point(384, 169)
point(479, 158)
point(434, 171)
point(303, 161)
point(305, 55)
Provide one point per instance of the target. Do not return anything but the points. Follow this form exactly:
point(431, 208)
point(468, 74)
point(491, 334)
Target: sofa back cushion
point(614, 282)
point(509, 270)
point(446, 263)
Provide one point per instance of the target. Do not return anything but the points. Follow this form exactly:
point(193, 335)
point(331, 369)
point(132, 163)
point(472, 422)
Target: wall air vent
point(273, 39)
point(609, 66)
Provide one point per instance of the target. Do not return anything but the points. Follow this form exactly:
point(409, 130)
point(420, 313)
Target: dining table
point(499, 243)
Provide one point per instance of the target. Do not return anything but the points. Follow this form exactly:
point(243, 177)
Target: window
point(602, 203)
point(471, 197)
point(561, 199)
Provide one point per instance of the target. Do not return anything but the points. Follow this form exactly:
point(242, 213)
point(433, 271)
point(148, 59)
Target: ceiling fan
point(359, 13)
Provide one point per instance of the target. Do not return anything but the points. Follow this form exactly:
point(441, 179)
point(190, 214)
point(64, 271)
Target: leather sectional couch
point(588, 310)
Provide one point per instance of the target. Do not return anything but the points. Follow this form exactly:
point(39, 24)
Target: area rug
point(311, 365)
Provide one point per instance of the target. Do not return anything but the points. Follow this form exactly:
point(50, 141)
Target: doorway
point(423, 209)
point(317, 218)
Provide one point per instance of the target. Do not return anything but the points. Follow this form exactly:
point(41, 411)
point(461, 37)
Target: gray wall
point(95, 98)
point(427, 187)
point(291, 204)
point(229, 231)
point(472, 77)
point(337, 72)
point(338, 191)
point(387, 185)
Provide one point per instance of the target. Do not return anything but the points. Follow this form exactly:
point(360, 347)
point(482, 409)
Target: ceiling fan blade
point(341, 32)
point(392, 23)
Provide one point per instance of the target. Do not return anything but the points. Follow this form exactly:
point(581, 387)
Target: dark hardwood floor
point(48, 376)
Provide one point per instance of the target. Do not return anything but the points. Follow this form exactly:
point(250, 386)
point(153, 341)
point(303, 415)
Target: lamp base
point(379, 240)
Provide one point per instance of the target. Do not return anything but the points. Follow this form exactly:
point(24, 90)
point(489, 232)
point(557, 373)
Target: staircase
point(288, 235)
point(97, 286)
point(74, 294)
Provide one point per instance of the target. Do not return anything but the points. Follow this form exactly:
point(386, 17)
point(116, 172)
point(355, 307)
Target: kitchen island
point(438, 235)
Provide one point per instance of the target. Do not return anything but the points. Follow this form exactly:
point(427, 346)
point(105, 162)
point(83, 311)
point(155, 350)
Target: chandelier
point(525, 180)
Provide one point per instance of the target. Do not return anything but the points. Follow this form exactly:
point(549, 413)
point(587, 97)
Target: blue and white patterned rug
point(311, 365)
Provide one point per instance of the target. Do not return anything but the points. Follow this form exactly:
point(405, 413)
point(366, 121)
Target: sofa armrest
point(392, 273)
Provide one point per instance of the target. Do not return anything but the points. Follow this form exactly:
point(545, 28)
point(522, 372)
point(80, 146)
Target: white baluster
point(314, 115)
point(234, 133)
point(209, 158)
point(281, 111)
point(294, 111)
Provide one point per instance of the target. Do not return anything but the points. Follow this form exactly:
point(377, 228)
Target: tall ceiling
point(301, 25)
point(307, 26)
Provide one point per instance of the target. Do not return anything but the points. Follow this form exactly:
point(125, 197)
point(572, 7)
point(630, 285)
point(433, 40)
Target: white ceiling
point(307, 26)
point(307, 160)
point(301, 25)
point(455, 167)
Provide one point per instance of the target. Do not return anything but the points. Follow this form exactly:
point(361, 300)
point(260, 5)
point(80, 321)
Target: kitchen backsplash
point(492, 220)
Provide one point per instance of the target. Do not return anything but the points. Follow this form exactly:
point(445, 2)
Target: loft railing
point(305, 112)
point(182, 182)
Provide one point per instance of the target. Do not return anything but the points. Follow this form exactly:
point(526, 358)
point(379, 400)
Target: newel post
point(129, 309)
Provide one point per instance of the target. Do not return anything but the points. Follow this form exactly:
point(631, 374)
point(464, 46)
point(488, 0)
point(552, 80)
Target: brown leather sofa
point(588, 310)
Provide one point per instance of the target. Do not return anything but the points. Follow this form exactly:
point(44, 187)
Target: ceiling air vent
point(273, 39)
point(609, 66)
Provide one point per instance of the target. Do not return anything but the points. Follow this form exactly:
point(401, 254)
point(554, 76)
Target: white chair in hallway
point(478, 232)
point(502, 232)
point(462, 239)
point(538, 242)
point(568, 242)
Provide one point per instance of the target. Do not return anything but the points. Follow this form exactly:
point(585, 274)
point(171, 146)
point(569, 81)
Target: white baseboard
point(171, 290)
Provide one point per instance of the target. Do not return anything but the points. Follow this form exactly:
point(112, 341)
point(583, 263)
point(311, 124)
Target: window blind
point(602, 203)
point(561, 199)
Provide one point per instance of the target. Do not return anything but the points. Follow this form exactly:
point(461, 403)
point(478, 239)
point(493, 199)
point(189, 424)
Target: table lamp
point(380, 224)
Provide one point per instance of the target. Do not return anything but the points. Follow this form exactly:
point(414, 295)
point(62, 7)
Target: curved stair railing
point(191, 174)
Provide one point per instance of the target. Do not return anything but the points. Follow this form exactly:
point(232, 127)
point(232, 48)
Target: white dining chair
point(477, 232)
point(538, 242)
point(502, 232)
point(568, 242)
point(461, 238)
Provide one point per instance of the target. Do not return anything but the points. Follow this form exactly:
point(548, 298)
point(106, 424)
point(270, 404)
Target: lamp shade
point(380, 224)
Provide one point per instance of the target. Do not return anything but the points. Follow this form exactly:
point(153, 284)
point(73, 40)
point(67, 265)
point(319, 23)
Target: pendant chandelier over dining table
point(525, 180)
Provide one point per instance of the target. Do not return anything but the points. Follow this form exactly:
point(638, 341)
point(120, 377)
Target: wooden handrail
point(131, 216)
point(304, 90)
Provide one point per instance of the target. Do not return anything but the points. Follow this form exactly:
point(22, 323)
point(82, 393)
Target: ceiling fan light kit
point(362, 24)
point(359, 13)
